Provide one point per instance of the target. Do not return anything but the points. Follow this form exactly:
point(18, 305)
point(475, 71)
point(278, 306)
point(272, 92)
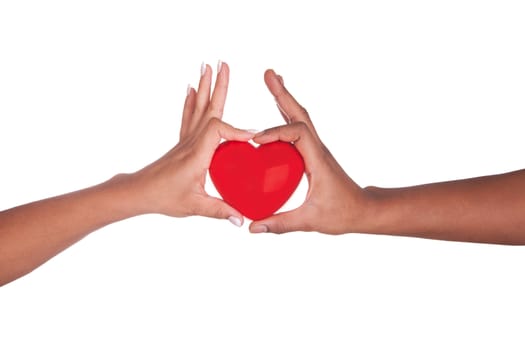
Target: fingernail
point(281, 80)
point(219, 66)
point(203, 68)
point(188, 90)
point(235, 220)
point(253, 131)
point(259, 229)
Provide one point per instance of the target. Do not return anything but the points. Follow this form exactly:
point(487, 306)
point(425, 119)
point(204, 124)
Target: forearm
point(33, 233)
point(487, 209)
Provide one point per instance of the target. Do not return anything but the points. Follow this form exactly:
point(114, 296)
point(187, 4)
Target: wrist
point(392, 211)
point(125, 195)
point(370, 218)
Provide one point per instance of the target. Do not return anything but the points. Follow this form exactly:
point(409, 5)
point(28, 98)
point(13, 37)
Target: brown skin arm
point(488, 209)
point(173, 185)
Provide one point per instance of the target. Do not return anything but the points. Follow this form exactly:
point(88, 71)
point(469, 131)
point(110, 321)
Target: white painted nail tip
point(188, 90)
point(203, 68)
point(219, 66)
point(235, 220)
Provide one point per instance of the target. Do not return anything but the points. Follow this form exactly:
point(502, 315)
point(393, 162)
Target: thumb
point(281, 223)
point(217, 130)
point(216, 208)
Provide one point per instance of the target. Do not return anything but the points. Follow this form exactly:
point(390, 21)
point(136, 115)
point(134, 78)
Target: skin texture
point(488, 209)
point(33, 233)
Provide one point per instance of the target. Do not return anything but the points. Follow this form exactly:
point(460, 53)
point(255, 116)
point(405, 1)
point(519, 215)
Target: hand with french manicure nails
point(175, 183)
point(487, 209)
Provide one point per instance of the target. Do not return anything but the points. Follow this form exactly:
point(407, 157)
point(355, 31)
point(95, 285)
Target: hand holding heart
point(334, 203)
point(174, 184)
point(489, 209)
point(256, 181)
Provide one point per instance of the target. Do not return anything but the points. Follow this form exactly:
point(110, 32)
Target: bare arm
point(488, 209)
point(33, 233)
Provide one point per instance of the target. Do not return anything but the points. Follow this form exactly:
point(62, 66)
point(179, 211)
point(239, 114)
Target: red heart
point(256, 181)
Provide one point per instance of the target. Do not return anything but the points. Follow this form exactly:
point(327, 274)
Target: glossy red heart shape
point(256, 181)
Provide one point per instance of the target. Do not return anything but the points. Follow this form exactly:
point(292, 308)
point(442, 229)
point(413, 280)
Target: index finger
point(300, 135)
point(285, 101)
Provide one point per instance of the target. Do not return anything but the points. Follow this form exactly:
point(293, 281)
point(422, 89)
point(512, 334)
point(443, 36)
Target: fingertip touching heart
point(256, 181)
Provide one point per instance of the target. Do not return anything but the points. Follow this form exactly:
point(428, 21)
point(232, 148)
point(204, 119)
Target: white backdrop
point(402, 92)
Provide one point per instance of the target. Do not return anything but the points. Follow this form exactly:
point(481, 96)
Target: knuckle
point(278, 227)
point(303, 110)
point(214, 123)
point(212, 209)
point(301, 127)
point(216, 109)
point(219, 213)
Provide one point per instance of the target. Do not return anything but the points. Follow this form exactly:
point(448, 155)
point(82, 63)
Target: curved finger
point(228, 132)
point(297, 133)
point(187, 112)
point(215, 131)
point(218, 98)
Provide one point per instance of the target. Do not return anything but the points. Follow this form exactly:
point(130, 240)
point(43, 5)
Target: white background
point(402, 92)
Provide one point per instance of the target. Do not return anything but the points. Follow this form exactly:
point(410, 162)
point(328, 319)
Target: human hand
point(174, 184)
point(334, 203)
